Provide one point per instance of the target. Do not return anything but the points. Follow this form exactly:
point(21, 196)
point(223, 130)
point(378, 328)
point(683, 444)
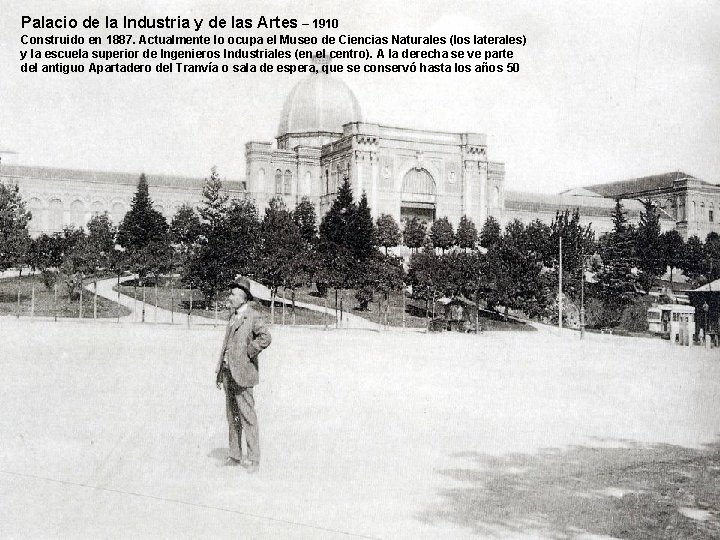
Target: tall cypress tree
point(335, 226)
point(648, 245)
point(362, 237)
point(144, 233)
point(335, 245)
point(617, 282)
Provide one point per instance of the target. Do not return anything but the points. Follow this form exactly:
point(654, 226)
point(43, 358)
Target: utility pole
point(560, 304)
point(582, 296)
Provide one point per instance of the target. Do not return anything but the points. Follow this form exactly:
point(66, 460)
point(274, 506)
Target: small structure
point(706, 300)
point(675, 321)
point(459, 313)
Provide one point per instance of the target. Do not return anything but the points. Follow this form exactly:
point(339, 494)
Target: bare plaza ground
point(117, 431)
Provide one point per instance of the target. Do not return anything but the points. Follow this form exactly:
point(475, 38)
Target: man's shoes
point(232, 462)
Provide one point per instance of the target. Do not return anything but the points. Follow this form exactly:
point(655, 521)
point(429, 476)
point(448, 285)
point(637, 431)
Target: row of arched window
point(53, 217)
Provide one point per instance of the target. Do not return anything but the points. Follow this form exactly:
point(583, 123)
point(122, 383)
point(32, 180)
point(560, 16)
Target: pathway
point(161, 315)
point(152, 314)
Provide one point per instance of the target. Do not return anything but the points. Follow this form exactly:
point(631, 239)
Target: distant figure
point(237, 369)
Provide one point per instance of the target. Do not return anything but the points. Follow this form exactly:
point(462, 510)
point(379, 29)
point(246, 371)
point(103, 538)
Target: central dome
point(319, 103)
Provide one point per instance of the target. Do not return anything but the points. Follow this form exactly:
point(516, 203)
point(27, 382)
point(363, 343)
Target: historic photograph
point(360, 270)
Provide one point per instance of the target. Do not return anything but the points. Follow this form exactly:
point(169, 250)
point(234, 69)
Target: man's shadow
point(219, 455)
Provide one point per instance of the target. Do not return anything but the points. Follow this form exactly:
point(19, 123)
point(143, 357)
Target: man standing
point(237, 370)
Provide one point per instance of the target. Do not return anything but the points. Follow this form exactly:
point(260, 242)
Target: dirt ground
point(117, 431)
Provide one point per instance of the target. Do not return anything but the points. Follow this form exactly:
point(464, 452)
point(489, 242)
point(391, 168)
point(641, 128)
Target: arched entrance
point(418, 196)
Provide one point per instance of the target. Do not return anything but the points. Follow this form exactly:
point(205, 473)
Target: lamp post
point(560, 302)
point(582, 297)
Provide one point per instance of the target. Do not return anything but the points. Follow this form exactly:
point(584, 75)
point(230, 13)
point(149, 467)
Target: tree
point(515, 267)
point(14, 236)
point(467, 234)
point(617, 281)
point(74, 264)
point(362, 237)
point(386, 275)
point(414, 233)
point(442, 234)
point(185, 230)
point(280, 243)
point(577, 243)
point(227, 241)
point(693, 258)
point(424, 274)
point(491, 234)
point(185, 227)
point(243, 233)
point(648, 246)
point(46, 255)
point(306, 221)
point(335, 226)
point(672, 250)
point(388, 232)
point(336, 248)
point(143, 233)
point(100, 242)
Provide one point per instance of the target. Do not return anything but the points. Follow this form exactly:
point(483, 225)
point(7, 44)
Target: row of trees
point(517, 268)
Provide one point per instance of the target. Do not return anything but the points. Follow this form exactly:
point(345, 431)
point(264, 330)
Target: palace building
point(322, 138)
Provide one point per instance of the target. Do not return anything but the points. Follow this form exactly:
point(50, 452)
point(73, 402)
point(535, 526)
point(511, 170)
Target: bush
point(601, 315)
point(364, 296)
point(634, 316)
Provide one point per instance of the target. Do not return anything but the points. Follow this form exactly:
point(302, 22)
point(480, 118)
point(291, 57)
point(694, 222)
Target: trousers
point(240, 409)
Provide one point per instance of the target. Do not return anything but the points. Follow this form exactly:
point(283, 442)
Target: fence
point(126, 300)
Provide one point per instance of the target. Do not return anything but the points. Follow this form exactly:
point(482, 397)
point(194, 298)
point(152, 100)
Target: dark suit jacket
point(245, 337)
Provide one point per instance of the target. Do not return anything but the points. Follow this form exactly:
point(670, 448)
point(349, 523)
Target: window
point(56, 215)
point(287, 185)
point(77, 213)
point(711, 216)
point(278, 182)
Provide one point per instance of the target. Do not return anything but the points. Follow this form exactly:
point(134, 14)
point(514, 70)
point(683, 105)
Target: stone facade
point(689, 203)
point(404, 172)
point(59, 198)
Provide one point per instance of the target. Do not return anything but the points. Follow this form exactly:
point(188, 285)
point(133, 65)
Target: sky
point(606, 90)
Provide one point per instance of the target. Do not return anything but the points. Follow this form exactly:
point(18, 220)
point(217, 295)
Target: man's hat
point(242, 283)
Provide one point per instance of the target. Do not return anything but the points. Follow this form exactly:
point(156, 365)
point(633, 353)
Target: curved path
point(161, 315)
